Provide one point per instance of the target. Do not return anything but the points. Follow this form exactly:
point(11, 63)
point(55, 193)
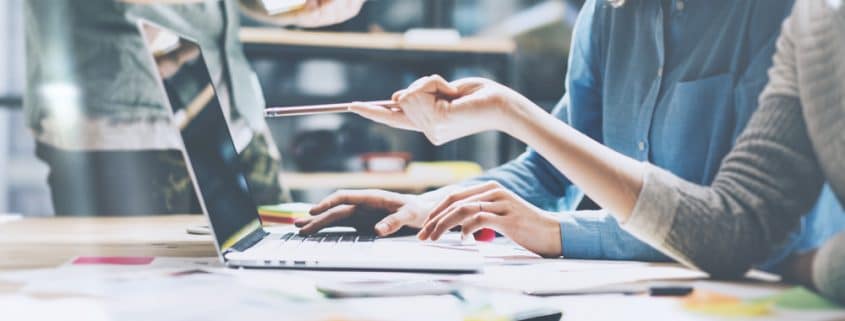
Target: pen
point(274, 112)
point(658, 290)
point(678, 290)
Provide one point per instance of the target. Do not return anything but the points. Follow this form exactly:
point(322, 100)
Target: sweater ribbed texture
point(793, 143)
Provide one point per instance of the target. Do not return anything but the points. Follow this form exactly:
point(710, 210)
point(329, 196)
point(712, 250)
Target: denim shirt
point(672, 82)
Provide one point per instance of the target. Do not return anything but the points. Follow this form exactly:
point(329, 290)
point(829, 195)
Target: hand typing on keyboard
point(368, 211)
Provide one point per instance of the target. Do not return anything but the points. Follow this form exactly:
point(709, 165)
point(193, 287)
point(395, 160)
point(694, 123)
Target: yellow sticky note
point(716, 304)
point(485, 315)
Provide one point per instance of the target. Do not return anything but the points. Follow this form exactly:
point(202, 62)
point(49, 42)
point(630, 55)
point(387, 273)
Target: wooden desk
point(50, 242)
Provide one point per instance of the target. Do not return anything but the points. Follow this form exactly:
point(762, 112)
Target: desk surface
point(50, 242)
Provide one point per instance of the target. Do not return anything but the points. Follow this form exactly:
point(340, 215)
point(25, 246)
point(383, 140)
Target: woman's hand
point(446, 111)
point(382, 212)
point(491, 205)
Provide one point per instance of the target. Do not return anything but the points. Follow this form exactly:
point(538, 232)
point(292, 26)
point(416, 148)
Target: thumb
point(391, 223)
point(464, 102)
point(442, 87)
point(380, 114)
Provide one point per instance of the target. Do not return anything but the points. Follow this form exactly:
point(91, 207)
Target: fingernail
point(381, 227)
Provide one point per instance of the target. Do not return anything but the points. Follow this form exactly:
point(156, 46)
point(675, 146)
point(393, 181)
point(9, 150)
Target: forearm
point(611, 179)
point(721, 229)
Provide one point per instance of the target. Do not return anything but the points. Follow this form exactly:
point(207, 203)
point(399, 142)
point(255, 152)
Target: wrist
point(519, 115)
point(551, 232)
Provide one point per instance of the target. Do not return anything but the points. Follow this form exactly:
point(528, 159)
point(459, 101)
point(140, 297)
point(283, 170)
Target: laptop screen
point(216, 169)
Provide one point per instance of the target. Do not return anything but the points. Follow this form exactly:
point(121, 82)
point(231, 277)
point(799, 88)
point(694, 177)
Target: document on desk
point(94, 276)
point(6, 218)
point(574, 277)
point(22, 308)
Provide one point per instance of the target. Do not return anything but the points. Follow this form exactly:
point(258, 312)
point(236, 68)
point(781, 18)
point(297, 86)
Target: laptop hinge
point(248, 241)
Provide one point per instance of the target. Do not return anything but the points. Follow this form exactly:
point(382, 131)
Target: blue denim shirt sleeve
point(597, 235)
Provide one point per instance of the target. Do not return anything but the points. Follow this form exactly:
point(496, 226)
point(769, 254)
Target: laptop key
point(366, 238)
point(331, 239)
point(287, 236)
point(348, 238)
point(314, 238)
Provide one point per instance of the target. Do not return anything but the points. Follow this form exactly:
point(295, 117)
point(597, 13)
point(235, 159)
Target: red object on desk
point(485, 235)
point(114, 260)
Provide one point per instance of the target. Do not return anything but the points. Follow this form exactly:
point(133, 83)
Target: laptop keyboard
point(327, 238)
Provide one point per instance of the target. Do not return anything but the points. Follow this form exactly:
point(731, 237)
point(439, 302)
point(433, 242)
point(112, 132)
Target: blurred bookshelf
point(365, 58)
point(371, 56)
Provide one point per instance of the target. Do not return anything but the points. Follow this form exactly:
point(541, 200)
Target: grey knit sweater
point(793, 143)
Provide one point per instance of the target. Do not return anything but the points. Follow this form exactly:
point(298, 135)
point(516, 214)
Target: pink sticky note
point(114, 260)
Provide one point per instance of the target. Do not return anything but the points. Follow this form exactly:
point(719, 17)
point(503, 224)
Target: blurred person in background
point(671, 82)
point(99, 117)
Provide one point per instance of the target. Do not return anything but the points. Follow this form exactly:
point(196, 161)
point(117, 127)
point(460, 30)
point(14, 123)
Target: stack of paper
point(285, 213)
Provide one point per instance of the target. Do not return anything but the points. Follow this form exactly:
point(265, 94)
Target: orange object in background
point(722, 305)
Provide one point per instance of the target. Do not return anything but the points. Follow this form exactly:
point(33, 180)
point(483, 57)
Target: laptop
point(221, 186)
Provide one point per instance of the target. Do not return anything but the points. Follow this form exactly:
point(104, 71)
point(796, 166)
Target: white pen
point(273, 112)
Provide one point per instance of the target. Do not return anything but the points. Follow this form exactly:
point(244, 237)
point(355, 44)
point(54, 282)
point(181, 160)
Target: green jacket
point(94, 46)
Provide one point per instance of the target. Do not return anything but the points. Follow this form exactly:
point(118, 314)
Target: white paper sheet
point(572, 277)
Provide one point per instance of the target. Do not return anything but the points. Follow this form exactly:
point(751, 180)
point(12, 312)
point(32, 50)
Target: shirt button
point(660, 72)
point(641, 146)
point(679, 5)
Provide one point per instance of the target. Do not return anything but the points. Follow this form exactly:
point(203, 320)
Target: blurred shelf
point(375, 41)
point(406, 181)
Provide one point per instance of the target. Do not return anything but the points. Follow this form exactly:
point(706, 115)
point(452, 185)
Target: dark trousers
point(134, 183)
